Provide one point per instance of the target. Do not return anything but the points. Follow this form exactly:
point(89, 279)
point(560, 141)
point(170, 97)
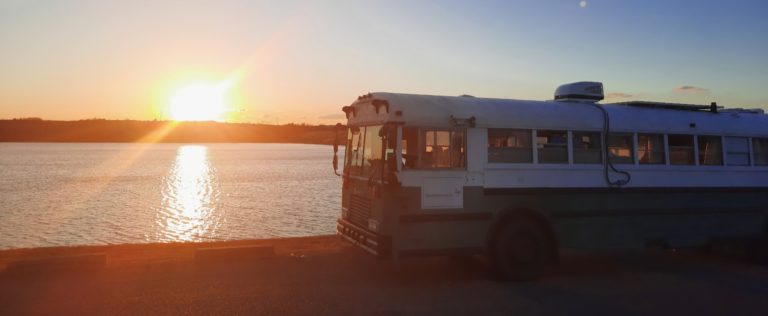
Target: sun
point(200, 102)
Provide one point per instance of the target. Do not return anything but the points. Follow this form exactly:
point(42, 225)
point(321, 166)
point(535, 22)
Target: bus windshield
point(364, 151)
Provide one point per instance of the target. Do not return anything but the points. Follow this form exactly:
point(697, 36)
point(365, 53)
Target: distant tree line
point(27, 119)
point(102, 130)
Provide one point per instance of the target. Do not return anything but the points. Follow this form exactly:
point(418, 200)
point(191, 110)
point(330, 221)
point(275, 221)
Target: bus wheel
point(520, 251)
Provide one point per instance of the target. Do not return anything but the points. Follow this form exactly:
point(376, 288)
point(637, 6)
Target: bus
point(517, 180)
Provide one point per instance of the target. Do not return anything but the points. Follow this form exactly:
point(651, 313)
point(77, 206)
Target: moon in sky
point(583, 3)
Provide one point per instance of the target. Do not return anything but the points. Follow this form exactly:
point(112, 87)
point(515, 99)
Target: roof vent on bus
point(582, 91)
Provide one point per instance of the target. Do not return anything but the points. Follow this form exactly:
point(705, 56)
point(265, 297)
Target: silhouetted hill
point(98, 130)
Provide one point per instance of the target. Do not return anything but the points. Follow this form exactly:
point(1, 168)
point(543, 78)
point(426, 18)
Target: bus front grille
point(360, 210)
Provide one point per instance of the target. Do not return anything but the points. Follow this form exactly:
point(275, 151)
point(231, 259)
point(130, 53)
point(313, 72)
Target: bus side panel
point(455, 231)
point(581, 218)
point(631, 218)
point(675, 230)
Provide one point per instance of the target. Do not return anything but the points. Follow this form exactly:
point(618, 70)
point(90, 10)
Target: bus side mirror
point(336, 138)
point(336, 149)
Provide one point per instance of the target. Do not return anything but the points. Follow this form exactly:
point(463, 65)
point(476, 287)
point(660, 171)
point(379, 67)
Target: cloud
point(333, 116)
point(618, 95)
point(691, 89)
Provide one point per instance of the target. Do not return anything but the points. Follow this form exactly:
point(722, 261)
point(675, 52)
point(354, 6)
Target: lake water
point(78, 194)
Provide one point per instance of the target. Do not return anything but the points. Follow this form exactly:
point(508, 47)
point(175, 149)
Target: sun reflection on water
point(190, 196)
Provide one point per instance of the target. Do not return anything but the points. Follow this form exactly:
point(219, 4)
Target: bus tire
point(520, 251)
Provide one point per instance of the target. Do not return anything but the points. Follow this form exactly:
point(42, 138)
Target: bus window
point(552, 146)
point(509, 145)
point(441, 153)
point(710, 150)
point(620, 148)
point(372, 160)
point(737, 151)
point(587, 147)
point(426, 159)
point(410, 147)
point(650, 148)
point(355, 151)
point(680, 149)
point(458, 150)
point(390, 132)
point(442, 149)
point(760, 151)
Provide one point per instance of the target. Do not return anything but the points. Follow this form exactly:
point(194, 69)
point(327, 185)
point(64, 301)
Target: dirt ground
point(325, 276)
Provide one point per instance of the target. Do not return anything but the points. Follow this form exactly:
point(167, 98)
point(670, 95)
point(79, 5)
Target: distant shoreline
point(129, 131)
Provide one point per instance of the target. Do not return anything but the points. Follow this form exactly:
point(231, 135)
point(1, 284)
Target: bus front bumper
point(381, 246)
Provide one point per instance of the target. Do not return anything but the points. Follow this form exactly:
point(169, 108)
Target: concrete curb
point(89, 261)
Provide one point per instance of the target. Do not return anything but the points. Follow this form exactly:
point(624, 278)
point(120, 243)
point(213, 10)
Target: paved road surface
point(323, 276)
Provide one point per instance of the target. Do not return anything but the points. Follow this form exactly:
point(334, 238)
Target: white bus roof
point(439, 111)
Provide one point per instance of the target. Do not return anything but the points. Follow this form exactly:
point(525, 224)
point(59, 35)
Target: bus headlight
point(373, 225)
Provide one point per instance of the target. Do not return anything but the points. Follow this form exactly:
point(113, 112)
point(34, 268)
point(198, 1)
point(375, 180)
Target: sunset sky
point(300, 61)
